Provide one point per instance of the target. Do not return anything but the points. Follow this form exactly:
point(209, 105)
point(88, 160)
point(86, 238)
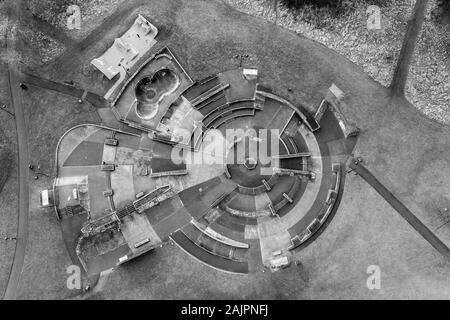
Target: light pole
point(4, 108)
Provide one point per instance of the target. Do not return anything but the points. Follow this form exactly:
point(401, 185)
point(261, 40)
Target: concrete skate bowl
point(151, 90)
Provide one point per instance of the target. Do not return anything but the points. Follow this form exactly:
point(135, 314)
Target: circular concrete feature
point(151, 90)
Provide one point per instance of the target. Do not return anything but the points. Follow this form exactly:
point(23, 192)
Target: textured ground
point(406, 151)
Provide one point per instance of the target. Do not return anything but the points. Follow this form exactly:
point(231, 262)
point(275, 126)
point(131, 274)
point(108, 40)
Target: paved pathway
point(401, 209)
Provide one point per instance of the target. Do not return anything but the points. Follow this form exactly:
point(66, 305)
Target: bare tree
point(398, 84)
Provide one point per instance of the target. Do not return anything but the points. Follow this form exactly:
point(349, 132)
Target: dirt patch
point(365, 230)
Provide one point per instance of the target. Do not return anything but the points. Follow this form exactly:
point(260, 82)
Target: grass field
point(404, 149)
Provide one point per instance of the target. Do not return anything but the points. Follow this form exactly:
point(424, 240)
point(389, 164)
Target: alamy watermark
point(249, 147)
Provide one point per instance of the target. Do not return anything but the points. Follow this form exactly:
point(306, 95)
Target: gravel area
point(376, 51)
